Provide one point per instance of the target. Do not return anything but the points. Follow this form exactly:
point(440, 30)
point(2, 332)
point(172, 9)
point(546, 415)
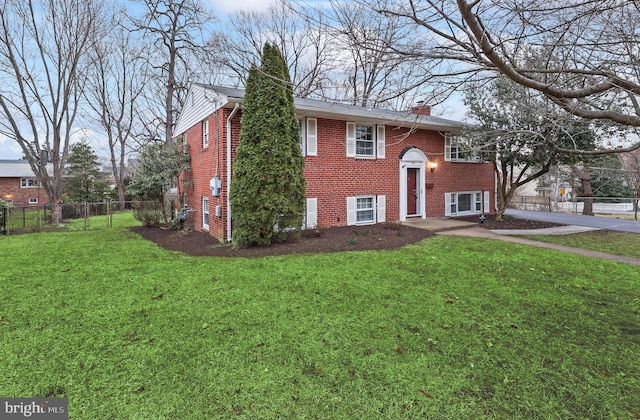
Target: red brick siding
point(10, 189)
point(203, 167)
point(332, 176)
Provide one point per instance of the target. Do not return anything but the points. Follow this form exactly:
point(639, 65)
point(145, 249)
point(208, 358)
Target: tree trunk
point(587, 210)
point(56, 212)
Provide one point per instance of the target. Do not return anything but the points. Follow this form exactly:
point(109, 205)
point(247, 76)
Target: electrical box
point(215, 185)
point(218, 211)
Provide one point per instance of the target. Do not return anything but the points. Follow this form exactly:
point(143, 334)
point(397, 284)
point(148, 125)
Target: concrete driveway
point(621, 225)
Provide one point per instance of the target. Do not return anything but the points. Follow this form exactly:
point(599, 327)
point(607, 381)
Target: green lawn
point(450, 328)
point(618, 243)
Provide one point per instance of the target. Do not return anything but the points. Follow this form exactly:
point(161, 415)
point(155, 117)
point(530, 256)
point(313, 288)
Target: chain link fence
point(76, 216)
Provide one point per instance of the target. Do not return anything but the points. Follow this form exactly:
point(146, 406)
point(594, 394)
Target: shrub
point(149, 213)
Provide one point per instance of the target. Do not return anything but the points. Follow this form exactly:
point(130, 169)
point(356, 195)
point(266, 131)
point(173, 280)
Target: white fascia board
point(199, 104)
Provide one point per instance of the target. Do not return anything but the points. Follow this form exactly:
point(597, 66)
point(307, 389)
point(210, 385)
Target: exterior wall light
point(432, 166)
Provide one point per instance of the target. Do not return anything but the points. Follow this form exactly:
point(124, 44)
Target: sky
point(9, 149)
point(223, 7)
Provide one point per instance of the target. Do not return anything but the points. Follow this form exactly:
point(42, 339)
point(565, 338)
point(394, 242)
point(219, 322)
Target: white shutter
point(351, 211)
point(447, 204)
point(381, 142)
point(312, 213)
point(312, 137)
point(351, 139)
point(487, 203)
point(447, 147)
point(382, 208)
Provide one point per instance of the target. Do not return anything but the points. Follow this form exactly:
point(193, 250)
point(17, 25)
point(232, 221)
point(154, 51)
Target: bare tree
point(592, 68)
point(302, 39)
point(337, 52)
point(43, 60)
point(371, 71)
point(175, 32)
point(115, 84)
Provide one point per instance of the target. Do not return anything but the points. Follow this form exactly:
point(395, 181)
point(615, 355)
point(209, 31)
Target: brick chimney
point(421, 109)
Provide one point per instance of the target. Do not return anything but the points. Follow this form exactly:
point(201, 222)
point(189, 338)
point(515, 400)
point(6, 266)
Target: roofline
point(339, 111)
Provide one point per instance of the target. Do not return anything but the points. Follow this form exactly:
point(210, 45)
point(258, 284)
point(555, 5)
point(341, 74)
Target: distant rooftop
point(16, 169)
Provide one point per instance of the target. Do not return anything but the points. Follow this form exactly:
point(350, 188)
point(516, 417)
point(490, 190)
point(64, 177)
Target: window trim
point(452, 201)
point(371, 209)
point(26, 181)
point(377, 140)
point(379, 210)
point(205, 134)
point(450, 144)
point(205, 212)
point(33, 201)
point(372, 129)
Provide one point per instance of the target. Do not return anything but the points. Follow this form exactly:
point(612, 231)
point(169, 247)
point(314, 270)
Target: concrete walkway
point(477, 232)
point(444, 226)
point(609, 223)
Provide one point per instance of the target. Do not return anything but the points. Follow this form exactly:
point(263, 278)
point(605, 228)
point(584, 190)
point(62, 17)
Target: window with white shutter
point(382, 209)
point(351, 139)
point(312, 137)
point(311, 216)
point(380, 140)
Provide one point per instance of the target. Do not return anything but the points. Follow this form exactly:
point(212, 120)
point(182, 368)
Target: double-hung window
point(185, 145)
point(454, 151)
point(365, 209)
point(205, 134)
point(28, 183)
point(205, 212)
point(365, 141)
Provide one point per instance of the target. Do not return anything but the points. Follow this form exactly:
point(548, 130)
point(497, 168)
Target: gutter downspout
point(235, 109)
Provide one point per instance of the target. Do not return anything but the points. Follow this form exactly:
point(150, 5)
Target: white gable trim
point(199, 104)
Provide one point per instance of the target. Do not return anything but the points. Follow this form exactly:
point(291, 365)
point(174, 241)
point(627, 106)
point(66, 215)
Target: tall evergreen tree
point(84, 181)
point(268, 188)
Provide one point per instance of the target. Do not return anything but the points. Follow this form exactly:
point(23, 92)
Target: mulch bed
point(508, 223)
point(373, 237)
point(358, 238)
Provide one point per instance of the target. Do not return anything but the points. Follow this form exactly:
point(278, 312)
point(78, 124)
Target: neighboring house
point(19, 185)
point(362, 166)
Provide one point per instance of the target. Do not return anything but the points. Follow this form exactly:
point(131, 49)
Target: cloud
point(9, 149)
point(228, 6)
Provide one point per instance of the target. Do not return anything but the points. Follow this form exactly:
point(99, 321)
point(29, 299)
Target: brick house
point(362, 166)
point(19, 185)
